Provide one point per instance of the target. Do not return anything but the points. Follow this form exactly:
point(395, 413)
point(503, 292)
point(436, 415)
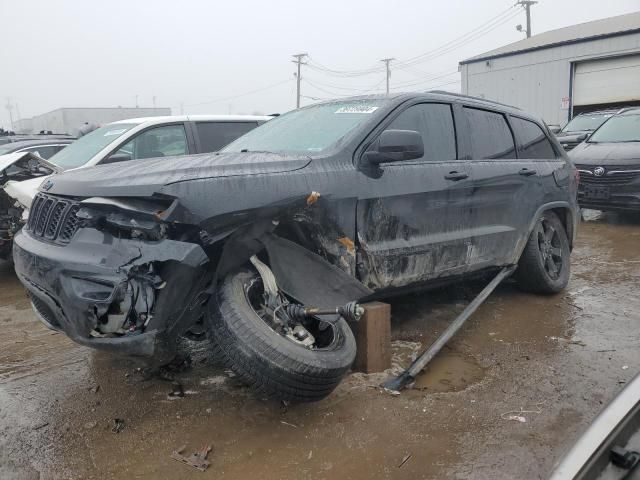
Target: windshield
point(309, 130)
point(586, 122)
point(621, 128)
point(82, 150)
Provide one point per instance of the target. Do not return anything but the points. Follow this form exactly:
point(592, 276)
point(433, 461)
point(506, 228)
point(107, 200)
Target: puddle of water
point(449, 372)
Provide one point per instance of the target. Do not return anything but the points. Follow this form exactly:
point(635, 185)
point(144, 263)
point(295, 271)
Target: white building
point(560, 73)
point(69, 120)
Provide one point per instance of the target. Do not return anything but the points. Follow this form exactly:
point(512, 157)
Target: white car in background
point(120, 141)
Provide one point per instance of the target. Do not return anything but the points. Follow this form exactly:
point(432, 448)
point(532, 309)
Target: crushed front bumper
point(72, 286)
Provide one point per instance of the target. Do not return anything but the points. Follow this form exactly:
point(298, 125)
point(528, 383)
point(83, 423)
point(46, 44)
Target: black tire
point(262, 358)
point(544, 266)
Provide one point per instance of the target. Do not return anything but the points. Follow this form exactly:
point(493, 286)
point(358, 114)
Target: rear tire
point(268, 361)
point(544, 266)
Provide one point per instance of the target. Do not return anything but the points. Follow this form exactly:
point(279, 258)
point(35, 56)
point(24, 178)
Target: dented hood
point(143, 178)
point(21, 173)
point(17, 158)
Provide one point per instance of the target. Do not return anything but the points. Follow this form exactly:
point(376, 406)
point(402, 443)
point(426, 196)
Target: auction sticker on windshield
point(115, 132)
point(356, 109)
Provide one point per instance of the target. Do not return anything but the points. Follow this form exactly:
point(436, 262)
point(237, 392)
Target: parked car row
point(581, 126)
point(331, 204)
point(21, 175)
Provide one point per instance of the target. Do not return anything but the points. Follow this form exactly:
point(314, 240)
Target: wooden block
point(373, 338)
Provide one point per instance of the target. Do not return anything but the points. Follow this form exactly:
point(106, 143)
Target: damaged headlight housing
point(129, 218)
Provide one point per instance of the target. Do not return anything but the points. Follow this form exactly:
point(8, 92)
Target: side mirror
point(555, 129)
point(582, 137)
point(396, 146)
point(116, 157)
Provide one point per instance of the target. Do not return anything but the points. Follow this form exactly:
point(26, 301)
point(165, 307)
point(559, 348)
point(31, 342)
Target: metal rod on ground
point(409, 375)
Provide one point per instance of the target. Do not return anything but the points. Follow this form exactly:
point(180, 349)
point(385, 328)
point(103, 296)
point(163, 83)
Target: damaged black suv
point(325, 206)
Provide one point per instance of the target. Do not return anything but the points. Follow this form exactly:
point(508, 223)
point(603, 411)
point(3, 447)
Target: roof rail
point(626, 109)
point(471, 97)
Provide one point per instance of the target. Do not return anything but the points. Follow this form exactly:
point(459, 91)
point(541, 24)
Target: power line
point(412, 83)
point(453, 44)
point(342, 95)
point(352, 88)
point(468, 37)
point(433, 87)
point(315, 65)
point(323, 90)
point(224, 99)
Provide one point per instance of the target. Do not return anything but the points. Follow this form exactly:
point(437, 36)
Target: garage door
point(607, 81)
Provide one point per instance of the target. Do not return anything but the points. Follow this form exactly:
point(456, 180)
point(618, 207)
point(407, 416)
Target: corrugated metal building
point(69, 120)
point(560, 73)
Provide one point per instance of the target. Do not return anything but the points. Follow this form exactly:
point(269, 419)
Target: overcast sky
point(201, 54)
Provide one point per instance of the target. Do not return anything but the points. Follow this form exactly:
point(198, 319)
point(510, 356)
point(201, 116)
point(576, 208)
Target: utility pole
point(9, 107)
point(387, 61)
point(299, 61)
point(526, 4)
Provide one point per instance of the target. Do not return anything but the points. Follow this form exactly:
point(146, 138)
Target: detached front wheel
point(544, 266)
point(280, 364)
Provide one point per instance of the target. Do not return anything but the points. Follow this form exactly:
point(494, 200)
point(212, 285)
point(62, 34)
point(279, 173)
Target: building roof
point(606, 27)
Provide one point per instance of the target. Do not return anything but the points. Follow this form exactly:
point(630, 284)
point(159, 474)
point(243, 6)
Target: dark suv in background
point(609, 164)
point(343, 201)
point(581, 126)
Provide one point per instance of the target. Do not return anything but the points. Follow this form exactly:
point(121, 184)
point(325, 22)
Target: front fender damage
point(165, 274)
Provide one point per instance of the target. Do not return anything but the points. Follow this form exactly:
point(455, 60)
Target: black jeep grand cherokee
point(337, 202)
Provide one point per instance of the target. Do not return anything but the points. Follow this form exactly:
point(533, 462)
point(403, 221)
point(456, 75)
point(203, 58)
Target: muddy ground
point(504, 400)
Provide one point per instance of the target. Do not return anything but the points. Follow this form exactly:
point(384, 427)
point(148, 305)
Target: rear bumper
point(72, 287)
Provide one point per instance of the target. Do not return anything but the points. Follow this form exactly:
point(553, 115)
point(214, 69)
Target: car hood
point(15, 158)
point(573, 137)
point(623, 153)
point(574, 133)
point(143, 178)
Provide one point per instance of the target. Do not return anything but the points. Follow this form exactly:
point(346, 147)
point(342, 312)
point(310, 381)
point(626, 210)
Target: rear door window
point(215, 135)
point(532, 142)
point(434, 121)
point(489, 134)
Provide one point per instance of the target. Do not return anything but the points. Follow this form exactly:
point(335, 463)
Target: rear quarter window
point(489, 134)
point(532, 141)
point(215, 135)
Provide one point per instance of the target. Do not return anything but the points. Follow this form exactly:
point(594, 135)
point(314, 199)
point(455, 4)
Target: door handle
point(455, 176)
point(526, 172)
